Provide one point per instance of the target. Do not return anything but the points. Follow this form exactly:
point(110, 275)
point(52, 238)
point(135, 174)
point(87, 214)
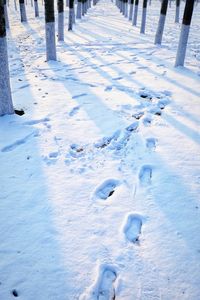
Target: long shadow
point(174, 82)
point(23, 194)
point(104, 26)
point(187, 131)
point(169, 172)
point(174, 198)
point(156, 61)
point(187, 114)
point(192, 134)
point(29, 247)
point(81, 92)
point(112, 65)
point(31, 255)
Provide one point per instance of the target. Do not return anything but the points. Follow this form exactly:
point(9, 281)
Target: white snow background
point(100, 178)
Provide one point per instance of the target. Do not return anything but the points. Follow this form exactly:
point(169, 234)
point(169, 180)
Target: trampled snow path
point(100, 178)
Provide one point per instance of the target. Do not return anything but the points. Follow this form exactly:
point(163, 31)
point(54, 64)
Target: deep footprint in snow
point(147, 120)
point(132, 228)
point(138, 115)
point(106, 189)
point(145, 175)
point(146, 95)
point(133, 126)
point(106, 290)
point(151, 143)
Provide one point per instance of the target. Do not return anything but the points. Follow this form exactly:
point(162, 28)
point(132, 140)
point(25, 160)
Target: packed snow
point(100, 178)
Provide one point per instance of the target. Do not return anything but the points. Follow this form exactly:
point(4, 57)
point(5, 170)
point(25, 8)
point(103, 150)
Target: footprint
point(147, 120)
point(105, 141)
point(74, 111)
point(151, 143)
point(138, 115)
point(163, 102)
point(52, 158)
point(145, 175)
point(155, 110)
point(145, 95)
point(106, 189)
point(105, 288)
point(108, 88)
point(132, 228)
point(54, 154)
point(19, 142)
point(132, 127)
point(34, 122)
point(76, 151)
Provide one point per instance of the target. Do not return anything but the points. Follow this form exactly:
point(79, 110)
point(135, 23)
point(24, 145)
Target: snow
point(100, 178)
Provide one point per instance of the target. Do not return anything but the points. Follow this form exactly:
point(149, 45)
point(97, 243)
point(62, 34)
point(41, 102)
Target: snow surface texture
point(100, 177)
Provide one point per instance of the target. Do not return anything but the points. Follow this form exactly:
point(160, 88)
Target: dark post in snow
point(87, 4)
point(74, 16)
point(79, 10)
point(131, 10)
point(123, 7)
point(177, 11)
point(83, 7)
point(71, 14)
point(6, 106)
point(144, 15)
point(36, 8)
point(126, 8)
point(15, 3)
point(60, 4)
point(50, 30)
point(161, 23)
point(187, 17)
point(6, 14)
point(135, 12)
point(120, 6)
point(22, 11)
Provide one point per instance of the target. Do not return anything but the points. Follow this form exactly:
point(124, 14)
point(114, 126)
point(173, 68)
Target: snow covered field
point(100, 178)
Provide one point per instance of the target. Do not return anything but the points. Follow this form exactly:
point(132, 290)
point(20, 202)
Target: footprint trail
point(106, 189)
point(145, 175)
point(132, 228)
